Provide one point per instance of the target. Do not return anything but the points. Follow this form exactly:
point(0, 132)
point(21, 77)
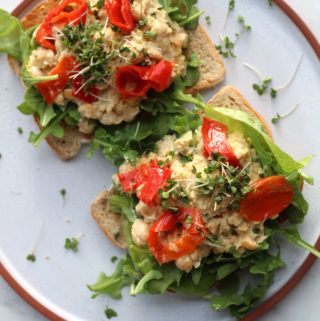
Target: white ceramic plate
point(31, 178)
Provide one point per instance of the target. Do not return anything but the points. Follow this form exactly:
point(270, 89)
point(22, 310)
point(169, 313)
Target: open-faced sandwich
point(202, 210)
point(91, 64)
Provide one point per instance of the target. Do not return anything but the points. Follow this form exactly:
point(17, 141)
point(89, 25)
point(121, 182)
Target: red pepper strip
point(192, 235)
point(131, 82)
point(270, 197)
point(215, 140)
point(57, 16)
point(160, 75)
point(135, 81)
point(154, 178)
point(151, 176)
point(129, 180)
point(87, 95)
point(167, 223)
point(74, 17)
point(52, 88)
point(119, 13)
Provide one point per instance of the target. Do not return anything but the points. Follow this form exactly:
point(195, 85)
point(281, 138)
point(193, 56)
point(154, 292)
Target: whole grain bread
point(212, 72)
point(212, 69)
point(110, 223)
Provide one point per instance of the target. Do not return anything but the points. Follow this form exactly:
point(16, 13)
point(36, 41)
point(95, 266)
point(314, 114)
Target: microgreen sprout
point(226, 46)
point(231, 6)
point(274, 91)
point(276, 119)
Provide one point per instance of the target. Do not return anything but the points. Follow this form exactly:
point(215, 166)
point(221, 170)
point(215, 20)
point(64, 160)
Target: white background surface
point(301, 304)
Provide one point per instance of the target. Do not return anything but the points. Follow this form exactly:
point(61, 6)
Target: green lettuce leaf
point(14, 41)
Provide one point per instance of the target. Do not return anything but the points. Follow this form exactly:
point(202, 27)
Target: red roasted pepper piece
point(270, 196)
point(214, 135)
point(52, 88)
point(70, 12)
point(182, 243)
point(88, 95)
point(135, 81)
point(151, 176)
point(119, 13)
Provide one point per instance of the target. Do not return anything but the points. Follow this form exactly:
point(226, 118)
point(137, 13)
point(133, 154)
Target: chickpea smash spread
point(200, 193)
point(106, 56)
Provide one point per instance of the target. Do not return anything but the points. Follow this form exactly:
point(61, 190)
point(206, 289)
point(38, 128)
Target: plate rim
point(262, 308)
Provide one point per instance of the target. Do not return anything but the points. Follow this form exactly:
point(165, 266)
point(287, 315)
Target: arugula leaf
point(149, 276)
point(184, 12)
point(123, 204)
point(292, 235)
point(34, 104)
point(193, 73)
point(225, 270)
point(52, 128)
point(30, 80)
point(125, 274)
point(14, 41)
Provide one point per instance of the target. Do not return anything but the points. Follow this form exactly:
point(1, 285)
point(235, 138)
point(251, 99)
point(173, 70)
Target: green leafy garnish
point(31, 257)
point(34, 104)
point(231, 6)
point(193, 73)
point(110, 313)
point(71, 244)
point(184, 12)
point(14, 41)
point(63, 192)
point(208, 20)
point(20, 130)
point(226, 46)
point(263, 86)
point(30, 80)
point(114, 259)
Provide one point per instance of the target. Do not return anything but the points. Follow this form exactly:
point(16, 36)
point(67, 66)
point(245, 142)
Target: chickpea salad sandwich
point(201, 212)
point(201, 197)
point(93, 64)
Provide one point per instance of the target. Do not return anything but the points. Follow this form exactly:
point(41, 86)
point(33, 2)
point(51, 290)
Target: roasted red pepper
point(270, 196)
point(119, 13)
point(70, 12)
point(52, 88)
point(88, 95)
point(183, 240)
point(215, 140)
point(135, 81)
point(150, 176)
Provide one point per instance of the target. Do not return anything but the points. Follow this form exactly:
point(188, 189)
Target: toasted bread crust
point(107, 220)
point(229, 97)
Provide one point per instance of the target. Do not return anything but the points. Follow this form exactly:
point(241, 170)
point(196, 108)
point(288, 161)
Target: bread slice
point(110, 223)
point(212, 72)
point(212, 69)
